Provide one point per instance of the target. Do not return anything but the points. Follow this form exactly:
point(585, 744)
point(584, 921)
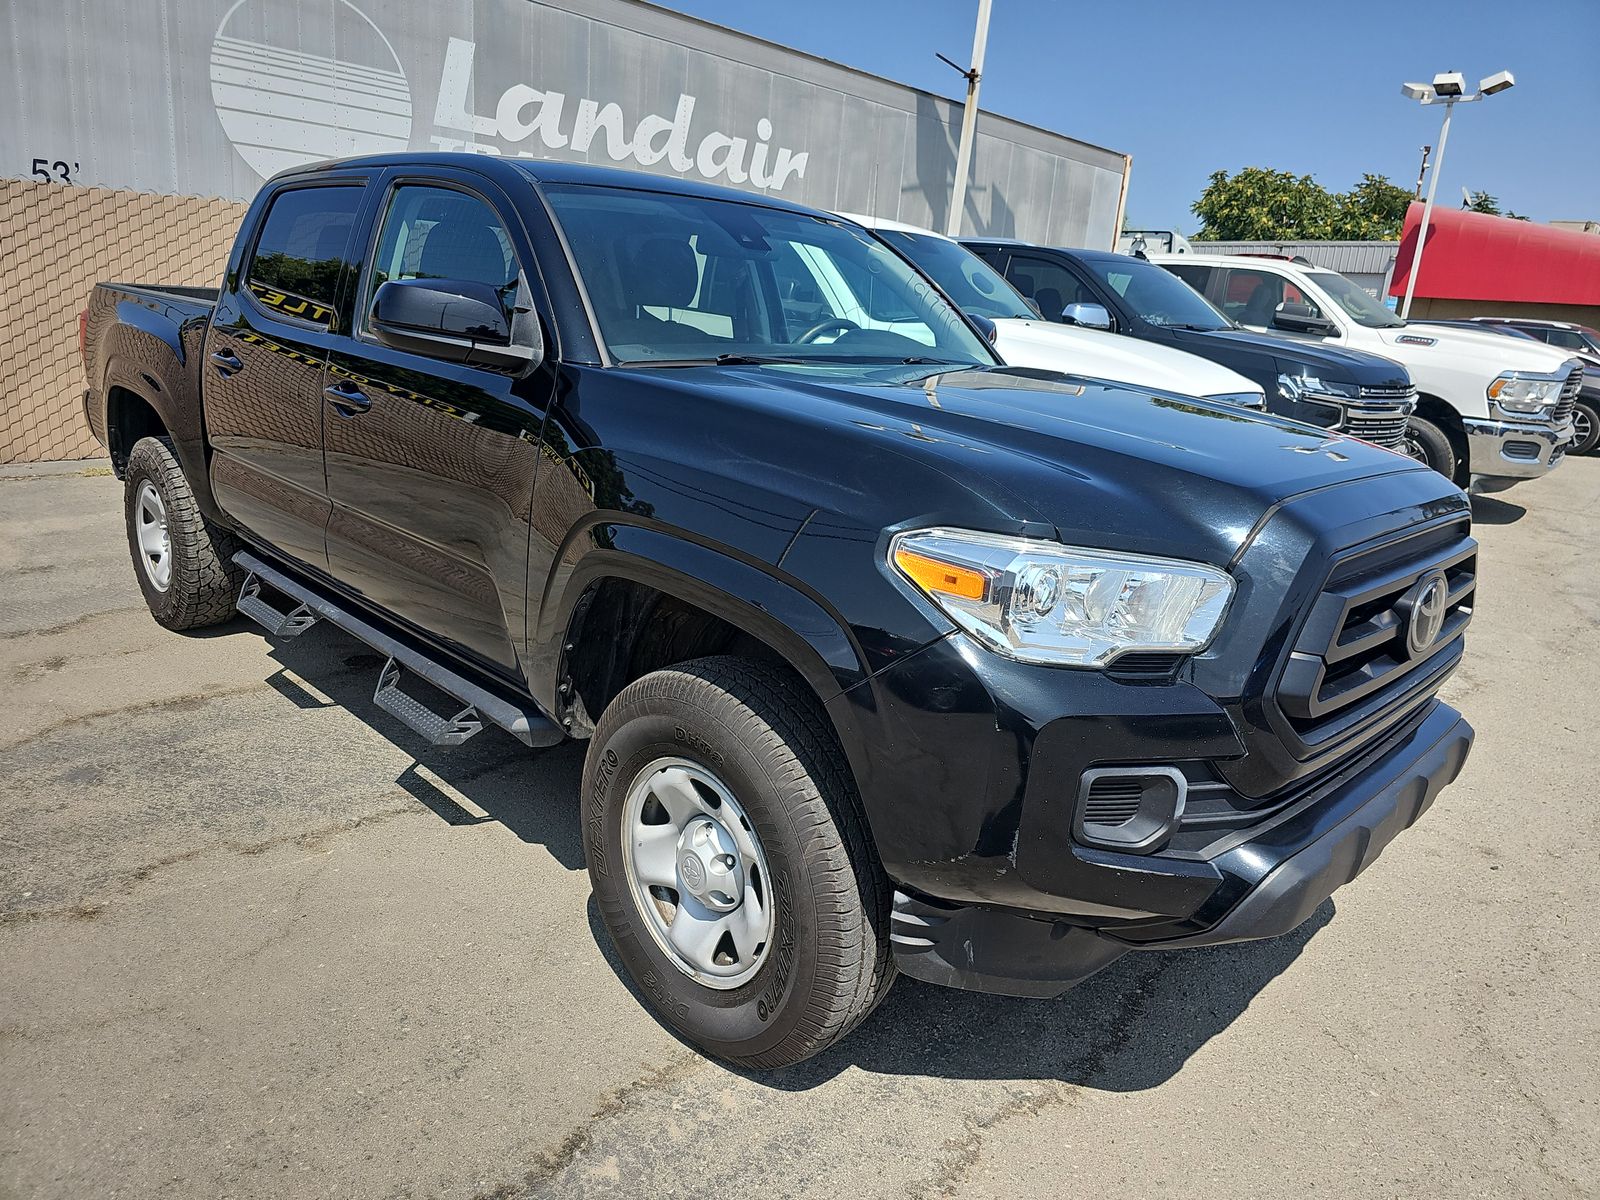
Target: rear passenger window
point(294, 270)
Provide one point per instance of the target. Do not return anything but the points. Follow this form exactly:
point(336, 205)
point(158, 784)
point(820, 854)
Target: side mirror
point(985, 326)
point(1298, 318)
point(1090, 316)
point(459, 320)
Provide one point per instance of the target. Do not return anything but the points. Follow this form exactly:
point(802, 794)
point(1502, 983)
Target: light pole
point(969, 119)
point(1449, 89)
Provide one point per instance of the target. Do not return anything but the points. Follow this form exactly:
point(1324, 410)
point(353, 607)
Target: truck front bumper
point(1515, 449)
point(1263, 883)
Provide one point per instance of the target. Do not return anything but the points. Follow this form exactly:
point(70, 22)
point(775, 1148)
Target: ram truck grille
point(1378, 639)
point(1379, 416)
point(1569, 396)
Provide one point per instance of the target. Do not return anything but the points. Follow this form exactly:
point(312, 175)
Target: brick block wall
point(56, 243)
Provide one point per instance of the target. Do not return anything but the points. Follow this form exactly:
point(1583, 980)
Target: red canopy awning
point(1471, 256)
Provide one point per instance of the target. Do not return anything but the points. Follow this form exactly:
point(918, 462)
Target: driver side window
point(1252, 297)
point(439, 233)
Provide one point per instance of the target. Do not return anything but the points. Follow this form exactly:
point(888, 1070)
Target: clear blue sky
point(1188, 88)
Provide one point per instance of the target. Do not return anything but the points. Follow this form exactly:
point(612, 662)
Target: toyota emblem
point(1424, 607)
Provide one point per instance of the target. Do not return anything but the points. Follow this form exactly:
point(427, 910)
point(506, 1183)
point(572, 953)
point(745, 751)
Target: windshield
point(1156, 295)
point(1357, 303)
point(967, 279)
point(679, 279)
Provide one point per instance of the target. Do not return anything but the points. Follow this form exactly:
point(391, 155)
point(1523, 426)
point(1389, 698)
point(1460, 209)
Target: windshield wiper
point(1193, 328)
point(721, 360)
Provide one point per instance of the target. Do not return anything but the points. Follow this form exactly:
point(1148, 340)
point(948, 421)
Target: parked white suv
point(1024, 339)
point(1487, 405)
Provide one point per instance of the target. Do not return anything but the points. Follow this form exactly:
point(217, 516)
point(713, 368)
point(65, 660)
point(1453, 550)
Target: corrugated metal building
point(205, 98)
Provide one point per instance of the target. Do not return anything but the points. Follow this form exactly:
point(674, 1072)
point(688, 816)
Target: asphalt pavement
point(257, 941)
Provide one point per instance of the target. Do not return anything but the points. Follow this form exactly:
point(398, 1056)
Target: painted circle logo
point(284, 103)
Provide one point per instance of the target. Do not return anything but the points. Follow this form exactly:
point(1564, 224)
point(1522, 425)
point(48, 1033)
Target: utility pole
point(969, 119)
point(1422, 170)
point(1427, 211)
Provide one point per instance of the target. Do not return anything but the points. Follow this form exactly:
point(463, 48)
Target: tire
point(756, 733)
point(1586, 420)
point(1430, 445)
point(184, 563)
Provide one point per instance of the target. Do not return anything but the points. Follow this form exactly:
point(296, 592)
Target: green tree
point(1259, 204)
point(1372, 211)
point(1483, 202)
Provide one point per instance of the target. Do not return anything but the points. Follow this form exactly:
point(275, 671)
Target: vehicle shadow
point(1491, 510)
point(533, 793)
point(1131, 1027)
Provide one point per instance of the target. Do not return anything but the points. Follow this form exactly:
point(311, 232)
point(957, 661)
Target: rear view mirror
point(455, 319)
point(1299, 318)
point(985, 326)
point(1090, 316)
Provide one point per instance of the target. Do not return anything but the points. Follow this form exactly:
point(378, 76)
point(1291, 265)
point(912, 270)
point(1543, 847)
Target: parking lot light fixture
point(1449, 88)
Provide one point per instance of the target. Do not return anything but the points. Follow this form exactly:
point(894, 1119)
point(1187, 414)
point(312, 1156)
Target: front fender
point(781, 612)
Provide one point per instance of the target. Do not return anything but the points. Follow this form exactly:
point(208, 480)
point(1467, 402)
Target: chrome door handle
point(347, 399)
point(226, 362)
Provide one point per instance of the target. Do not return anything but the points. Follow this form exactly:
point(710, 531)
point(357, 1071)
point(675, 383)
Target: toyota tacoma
point(888, 657)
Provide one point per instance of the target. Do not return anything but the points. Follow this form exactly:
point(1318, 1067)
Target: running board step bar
point(418, 717)
point(279, 624)
point(522, 721)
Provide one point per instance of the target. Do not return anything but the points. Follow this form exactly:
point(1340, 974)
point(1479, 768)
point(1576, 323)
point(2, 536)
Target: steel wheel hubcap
point(155, 543)
point(697, 873)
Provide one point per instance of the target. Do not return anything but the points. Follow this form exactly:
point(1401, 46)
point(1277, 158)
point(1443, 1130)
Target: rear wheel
point(183, 562)
point(1585, 428)
point(731, 864)
point(1430, 445)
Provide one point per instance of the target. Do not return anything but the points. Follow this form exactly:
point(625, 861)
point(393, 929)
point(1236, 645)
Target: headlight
point(1042, 602)
point(1292, 387)
point(1242, 399)
point(1521, 393)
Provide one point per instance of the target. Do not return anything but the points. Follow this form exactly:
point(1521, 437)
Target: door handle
point(347, 399)
point(226, 362)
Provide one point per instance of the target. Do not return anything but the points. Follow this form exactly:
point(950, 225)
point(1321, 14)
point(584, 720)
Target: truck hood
point(1100, 354)
point(1101, 464)
point(1332, 362)
point(1492, 353)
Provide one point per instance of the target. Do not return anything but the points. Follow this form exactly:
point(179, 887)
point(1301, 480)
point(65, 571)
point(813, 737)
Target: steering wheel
point(832, 324)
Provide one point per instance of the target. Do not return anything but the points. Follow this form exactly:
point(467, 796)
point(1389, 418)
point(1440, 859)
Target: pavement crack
point(960, 1154)
point(550, 1163)
point(185, 703)
point(68, 626)
point(126, 884)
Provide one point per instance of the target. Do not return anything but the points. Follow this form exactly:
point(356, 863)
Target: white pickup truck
point(1488, 406)
point(1025, 339)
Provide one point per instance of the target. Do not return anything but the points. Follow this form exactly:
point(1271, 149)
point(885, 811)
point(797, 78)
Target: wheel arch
point(1448, 418)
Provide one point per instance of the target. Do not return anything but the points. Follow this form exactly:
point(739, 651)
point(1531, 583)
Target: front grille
point(1351, 664)
point(1379, 416)
point(1569, 395)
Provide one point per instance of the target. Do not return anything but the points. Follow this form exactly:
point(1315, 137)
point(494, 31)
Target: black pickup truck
point(889, 657)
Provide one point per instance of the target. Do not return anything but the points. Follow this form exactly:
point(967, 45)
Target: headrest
point(663, 272)
point(463, 250)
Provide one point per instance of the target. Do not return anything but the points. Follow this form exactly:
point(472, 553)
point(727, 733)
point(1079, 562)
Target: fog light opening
point(1131, 809)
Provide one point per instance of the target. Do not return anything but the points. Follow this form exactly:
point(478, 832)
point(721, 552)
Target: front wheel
point(1430, 445)
point(731, 863)
point(183, 562)
point(1585, 428)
